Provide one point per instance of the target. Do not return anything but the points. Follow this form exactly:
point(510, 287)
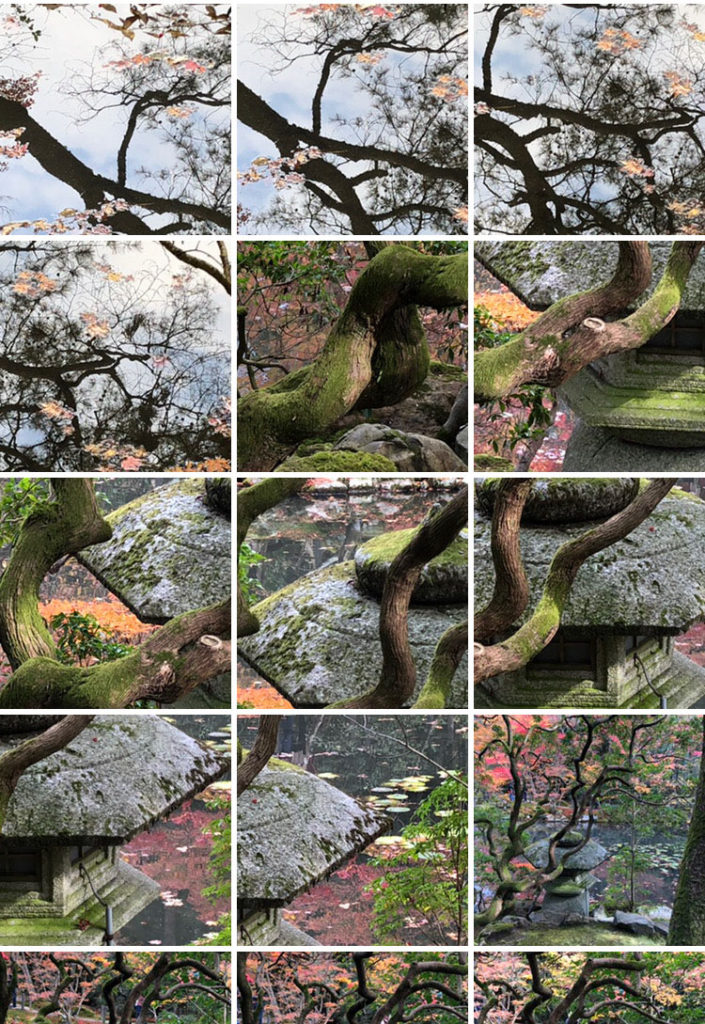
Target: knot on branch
point(593, 323)
point(210, 641)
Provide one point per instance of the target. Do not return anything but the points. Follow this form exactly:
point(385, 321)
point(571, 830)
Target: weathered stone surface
point(540, 273)
point(318, 640)
point(169, 553)
point(443, 580)
point(635, 924)
point(639, 410)
point(118, 777)
point(585, 859)
point(651, 582)
point(293, 829)
point(596, 450)
point(409, 452)
point(557, 500)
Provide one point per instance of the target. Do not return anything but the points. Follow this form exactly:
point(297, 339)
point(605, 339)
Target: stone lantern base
point(617, 682)
point(268, 928)
point(128, 891)
point(596, 449)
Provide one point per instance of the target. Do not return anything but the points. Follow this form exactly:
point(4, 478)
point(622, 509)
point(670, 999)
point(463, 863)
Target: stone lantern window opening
point(685, 334)
point(562, 653)
point(21, 867)
point(84, 853)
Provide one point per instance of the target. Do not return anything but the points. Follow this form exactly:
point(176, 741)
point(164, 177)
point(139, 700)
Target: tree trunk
point(543, 624)
point(572, 333)
point(262, 749)
point(398, 674)
point(18, 759)
point(446, 658)
point(687, 926)
point(245, 990)
point(511, 589)
point(63, 527)
point(375, 352)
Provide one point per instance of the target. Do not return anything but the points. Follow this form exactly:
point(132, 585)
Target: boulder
point(408, 452)
point(318, 640)
point(635, 924)
point(443, 580)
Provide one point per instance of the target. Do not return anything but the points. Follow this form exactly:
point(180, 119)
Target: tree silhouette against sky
point(589, 119)
point(115, 124)
point(377, 142)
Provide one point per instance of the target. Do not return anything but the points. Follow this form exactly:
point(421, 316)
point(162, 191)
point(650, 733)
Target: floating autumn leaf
point(56, 411)
point(33, 283)
point(180, 112)
point(461, 214)
point(95, 328)
point(617, 41)
point(369, 58)
point(636, 169)
point(533, 12)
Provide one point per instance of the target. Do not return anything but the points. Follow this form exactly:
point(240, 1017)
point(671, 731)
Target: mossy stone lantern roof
point(541, 273)
point(318, 640)
point(115, 779)
point(169, 553)
point(652, 582)
point(293, 830)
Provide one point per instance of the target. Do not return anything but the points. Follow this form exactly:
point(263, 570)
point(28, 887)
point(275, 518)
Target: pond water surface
point(176, 853)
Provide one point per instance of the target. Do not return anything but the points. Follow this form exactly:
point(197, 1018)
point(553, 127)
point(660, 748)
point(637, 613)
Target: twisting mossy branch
point(573, 332)
point(541, 627)
point(376, 349)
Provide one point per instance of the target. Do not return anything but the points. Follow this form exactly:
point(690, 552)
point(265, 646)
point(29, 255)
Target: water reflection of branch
point(457, 776)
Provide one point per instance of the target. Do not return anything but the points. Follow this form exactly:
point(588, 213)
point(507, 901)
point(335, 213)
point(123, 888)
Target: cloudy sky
point(69, 44)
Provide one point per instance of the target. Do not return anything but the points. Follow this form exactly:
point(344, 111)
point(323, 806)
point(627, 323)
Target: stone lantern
point(293, 830)
point(318, 640)
point(567, 897)
point(638, 411)
point(615, 645)
point(169, 554)
point(70, 814)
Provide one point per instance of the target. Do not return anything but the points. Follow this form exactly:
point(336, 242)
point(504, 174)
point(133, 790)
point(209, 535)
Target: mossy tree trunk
point(61, 528)
point(183, 653)
point(573, 332)
point(540, 628)
point(687, 926)
point(375, 354)
point(252, 502)
point(398, 674)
